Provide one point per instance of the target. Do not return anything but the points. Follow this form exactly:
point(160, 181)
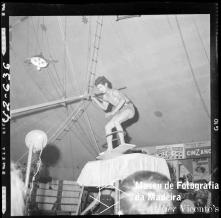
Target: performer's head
point(144, 192)
point(17, 192)
point(103, 84)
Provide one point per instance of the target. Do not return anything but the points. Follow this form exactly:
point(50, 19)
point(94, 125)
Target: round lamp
point(36, 138)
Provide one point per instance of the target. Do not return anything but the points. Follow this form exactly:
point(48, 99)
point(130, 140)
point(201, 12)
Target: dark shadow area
point(158, 113)
point(43, 175)
point(135, 150)
point(50, 155)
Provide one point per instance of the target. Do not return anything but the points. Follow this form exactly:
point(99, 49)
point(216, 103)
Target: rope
point(88, 54)
point(83, 143)
point(191, 68)
point(64, 38)
point(38, 29)
point(21, 157)
point(38, 168)
point(201, 40)
point(66, 49)
point(168, 20)
point(53, 64)
point(37, 40)
point(84, 133)
point(72, 154)
point(93, 65)
point(28, 38)
point(92, 132)
point(65, 69)
point(65, 123)
point(55, 82)
point(36, 36)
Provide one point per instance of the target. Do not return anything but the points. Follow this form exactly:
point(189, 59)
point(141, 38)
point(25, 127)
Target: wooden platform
point(119, 150)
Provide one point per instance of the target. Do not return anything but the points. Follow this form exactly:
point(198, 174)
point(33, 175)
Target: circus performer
point(122, 109)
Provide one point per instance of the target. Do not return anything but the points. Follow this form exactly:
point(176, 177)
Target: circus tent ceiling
point(161, 62)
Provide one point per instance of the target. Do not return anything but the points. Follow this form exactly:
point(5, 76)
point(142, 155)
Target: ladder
point(69, 121)
point(94, 60)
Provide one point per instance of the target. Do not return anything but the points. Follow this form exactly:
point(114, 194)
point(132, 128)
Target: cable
point(28, 38)
point(168, 20)
point(37, 40)
point(50, 51)
point(58, 81)
point(201, 40)
point(27, 73)
point(69, 137)
point(92, 132)
point(191, 68)
point(21, 157)
point(88, 54)
point(38, 168)
point(84, 133)
point(65, 69)
point(67, 51)
point(74, 116)
point(53, 80)
point(36, 36)
point(54, 83)
point(35, 33)
point(83, 143)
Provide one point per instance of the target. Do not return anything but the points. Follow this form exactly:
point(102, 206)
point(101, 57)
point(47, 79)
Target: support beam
point(48, 105)
point(117, 198)
point(36, 108)
point(27, 177)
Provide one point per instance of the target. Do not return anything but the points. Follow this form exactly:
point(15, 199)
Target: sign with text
point(198, 152)
point(171, 152)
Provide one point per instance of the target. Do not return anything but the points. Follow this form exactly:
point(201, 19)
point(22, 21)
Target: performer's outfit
point(114, 97)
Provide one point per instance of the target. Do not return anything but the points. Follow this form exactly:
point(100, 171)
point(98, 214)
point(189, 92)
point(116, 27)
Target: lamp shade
point(36, 138)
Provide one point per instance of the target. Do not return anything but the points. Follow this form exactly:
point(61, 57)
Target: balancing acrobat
point(123, 109)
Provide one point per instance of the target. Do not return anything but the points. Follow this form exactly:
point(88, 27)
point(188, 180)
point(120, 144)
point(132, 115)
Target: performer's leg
point(108, 129)
point(120, 132)
point(120, 118)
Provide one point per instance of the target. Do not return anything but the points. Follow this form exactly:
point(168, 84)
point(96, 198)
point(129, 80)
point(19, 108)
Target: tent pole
point(28, 167)
point(48, 105)
point(37, 107)
point(117, 198)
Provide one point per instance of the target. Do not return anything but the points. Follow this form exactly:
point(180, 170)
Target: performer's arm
point(118, 107)
point(103, 105)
